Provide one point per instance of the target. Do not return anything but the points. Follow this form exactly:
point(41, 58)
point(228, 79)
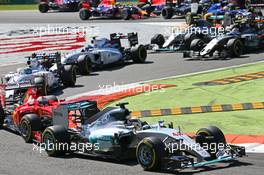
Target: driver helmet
point(27, 71)
point(43, 101)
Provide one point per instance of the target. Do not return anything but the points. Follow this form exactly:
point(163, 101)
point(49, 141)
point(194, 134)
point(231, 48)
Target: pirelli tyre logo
point(197, 109)
point(235, 79)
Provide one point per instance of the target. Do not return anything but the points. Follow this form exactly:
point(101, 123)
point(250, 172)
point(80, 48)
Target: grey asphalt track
point(16, 157)
point(34, 16)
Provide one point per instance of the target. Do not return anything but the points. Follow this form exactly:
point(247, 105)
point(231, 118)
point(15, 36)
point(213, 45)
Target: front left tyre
point(211, 138)
point(85, 14)
point(41, 83)
point(28, 124)
point(150, 153)
point(139, 54)
point(43, 7)
point(57, 140)
point(235, 47)
point(197, 45)
point(167, 13)
point(84, 65)
point(68, 75)
point(158, 39)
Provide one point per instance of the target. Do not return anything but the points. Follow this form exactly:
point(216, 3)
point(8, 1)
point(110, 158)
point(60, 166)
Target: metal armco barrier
point(197, 109)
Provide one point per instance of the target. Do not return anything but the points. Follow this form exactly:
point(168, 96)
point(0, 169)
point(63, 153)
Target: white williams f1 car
point(103, 52)
point(36, 73)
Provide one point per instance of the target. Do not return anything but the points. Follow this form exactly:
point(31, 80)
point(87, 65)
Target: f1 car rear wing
point(19, 93)
point(131, 37)
point(79, 105)
point(60, 114)
point(50, 57)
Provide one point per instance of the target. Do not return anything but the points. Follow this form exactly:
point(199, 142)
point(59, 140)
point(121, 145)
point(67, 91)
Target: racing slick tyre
point(139, 54)
point(29, 123)
point(197, 45)
point(57, 140)
point(85, 14)
point(188, 38)
point(167, 12)
point(212, 138)
point(126, 14)
point(84, 65)
point(41, 83)
point(235, 47)
point(2, 115)
point(68, 75)
point(43, 7)
point(150, 152)
point(158, 39)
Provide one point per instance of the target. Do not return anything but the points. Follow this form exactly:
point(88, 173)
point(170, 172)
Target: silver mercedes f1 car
point(112, 133)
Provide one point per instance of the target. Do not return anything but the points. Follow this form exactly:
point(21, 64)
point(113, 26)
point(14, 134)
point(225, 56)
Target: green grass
point(18, 7)
point(186, 94)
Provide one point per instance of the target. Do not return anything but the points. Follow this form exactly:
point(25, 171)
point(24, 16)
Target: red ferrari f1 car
point(23, 110)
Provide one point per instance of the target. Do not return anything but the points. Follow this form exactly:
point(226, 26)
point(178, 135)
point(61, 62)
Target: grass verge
point(18, 7)
point(186, 94)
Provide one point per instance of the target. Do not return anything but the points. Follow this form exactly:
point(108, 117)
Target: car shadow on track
point(216, 59)
point(95, 158)
point(206, 168)
point(188, 171)
point(118, 66)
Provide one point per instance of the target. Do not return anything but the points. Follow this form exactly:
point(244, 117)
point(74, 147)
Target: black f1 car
point(112, 133)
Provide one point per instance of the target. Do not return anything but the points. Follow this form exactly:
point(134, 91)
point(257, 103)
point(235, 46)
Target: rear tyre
point(235, 47)
point(167, 12)
point(158, 39)
point(68, 75)
point(41, 83)
point(126, 14)
point(84, 65)
point(57, 140)
point(150, 152)
point(139, 54)
point(212, 138)
point(188, 38)
point(85, 14)
point(197, 45)
point(29, 123)
point(43, 7)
